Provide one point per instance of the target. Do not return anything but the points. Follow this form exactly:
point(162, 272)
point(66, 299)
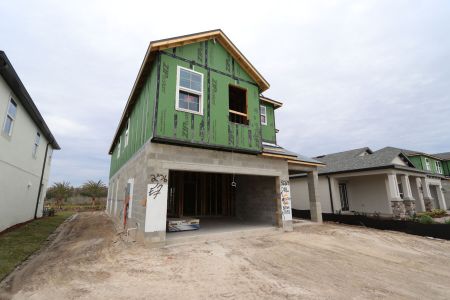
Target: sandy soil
point(88, 260)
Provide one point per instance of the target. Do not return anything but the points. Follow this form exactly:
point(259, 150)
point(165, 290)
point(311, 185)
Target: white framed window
point(427, 164)
point(37, 140)
point(127, 132)
point(118, 147)
point(263, 112)
point(10, 117)
point(438, 167)
point(189, 91)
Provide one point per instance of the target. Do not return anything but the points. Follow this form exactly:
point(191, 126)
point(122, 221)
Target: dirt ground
point(88, 260)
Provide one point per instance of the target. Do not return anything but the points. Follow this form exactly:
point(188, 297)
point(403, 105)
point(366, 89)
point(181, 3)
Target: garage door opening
point(218, 204)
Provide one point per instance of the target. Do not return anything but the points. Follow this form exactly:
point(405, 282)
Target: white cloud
point(350, 73)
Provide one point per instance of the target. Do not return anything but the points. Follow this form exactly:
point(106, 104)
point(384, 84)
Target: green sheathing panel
point(268, 131)
point(417, 162)
point(141, 124)
point(446, 167)
point(213, 128)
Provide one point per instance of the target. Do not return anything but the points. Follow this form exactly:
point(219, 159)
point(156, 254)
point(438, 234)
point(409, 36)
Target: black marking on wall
point(158, 75)
point(208, 105)
point(185, 132)
point(192, 122)
point(214, 130)
point(230, 135)
point(236, 139)
point(206, 53)
point(175, 124)
point(174, 50)
point(200, 53)
point(232, 67)
point(210, 69)
point(228, 63)
point(165, 76)
point(249, 138)
point(214, 90)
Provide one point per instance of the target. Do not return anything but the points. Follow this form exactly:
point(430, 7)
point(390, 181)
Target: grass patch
point(18, 244)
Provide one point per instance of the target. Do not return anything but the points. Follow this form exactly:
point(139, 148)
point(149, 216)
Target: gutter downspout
point(331, 195)
point(40, 183)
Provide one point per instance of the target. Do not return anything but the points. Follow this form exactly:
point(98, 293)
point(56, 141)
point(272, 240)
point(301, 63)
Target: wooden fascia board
point(291, 159)
point(276, 104)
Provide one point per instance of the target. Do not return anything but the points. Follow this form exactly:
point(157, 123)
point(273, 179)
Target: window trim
point(118, 147)
point(9, 134)
point(127, 132)
point(180, 88)
point(263, 114)
point(427, 164)
point(438, 166)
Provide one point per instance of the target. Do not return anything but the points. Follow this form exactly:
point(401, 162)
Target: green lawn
point(18, 244)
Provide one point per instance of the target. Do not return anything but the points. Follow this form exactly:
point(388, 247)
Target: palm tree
point(60, 191)
point(94, 189)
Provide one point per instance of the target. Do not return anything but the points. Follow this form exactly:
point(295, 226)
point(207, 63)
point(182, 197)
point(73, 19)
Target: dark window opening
point(238, 105)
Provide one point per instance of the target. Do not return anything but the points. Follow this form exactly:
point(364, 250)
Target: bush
point(435, 213)
point(447, 222)
point(425, 219)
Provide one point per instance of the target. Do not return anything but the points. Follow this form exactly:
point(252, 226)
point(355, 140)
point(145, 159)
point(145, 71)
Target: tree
point(94, 189)
point(60, 191)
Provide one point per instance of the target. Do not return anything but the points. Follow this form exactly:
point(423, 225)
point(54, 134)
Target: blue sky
point(350, 73)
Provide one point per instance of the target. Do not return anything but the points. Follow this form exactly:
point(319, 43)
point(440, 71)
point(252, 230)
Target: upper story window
point(127, 132)
point(238, 104)
point(189, 91)
point(427, 164)
point(37, 140)
point(438, 167)
point(10, 117)
point(263, 112)
point(118, 147)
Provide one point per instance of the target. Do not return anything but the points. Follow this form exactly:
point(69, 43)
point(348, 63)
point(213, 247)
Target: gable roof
point(163, 44)
point(443, 156)
point(419, 153)
point(352, 160)
point(12, 79)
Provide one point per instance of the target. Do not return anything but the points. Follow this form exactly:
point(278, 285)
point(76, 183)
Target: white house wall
point(20, 173)
point(368, 194)
point(300, 195)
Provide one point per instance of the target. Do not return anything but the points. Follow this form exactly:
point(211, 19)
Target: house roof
point(274, 150)
point(163, 44)
point(419, 153)
point(443, 156)
point(364, 159)
point(276, 104)
point(12, 79)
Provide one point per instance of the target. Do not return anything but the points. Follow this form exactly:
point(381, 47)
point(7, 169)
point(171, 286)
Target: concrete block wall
point(256, 198)
point(156, 158)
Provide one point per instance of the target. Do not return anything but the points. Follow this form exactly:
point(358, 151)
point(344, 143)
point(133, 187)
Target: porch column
point(408, 199)
point(314, 200)
point(441, 199)
point(398, 207)
point(420, 204)
point(426, 195)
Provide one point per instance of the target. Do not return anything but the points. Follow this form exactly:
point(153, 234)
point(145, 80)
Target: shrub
point(447, 222)
point(425, 219)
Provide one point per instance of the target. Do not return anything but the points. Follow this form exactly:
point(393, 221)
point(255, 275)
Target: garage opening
point(218, 204)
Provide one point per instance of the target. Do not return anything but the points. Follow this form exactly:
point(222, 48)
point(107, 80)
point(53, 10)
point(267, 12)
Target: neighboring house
point(26, 146)
point(383, 182)
point(196, 138)
point(445, 163)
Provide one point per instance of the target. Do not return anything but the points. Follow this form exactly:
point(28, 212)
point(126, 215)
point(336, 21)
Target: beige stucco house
point(26, 146)
point(383, 182)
